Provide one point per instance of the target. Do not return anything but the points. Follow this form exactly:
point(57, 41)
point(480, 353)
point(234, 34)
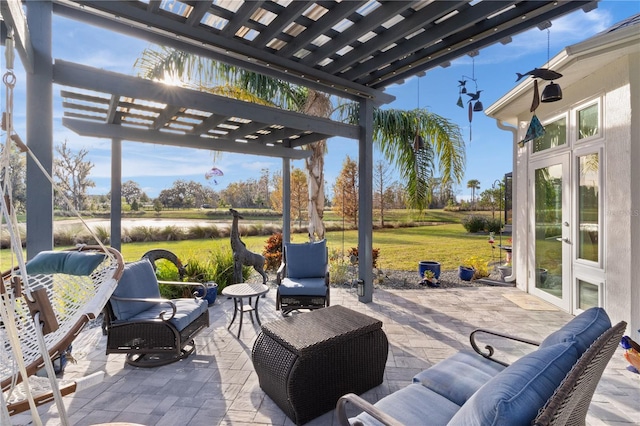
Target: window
point(588, 122)
point(555, 134)
point(588, 295)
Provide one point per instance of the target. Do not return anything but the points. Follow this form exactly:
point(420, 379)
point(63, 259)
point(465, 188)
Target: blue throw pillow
point(308, 260)
point(584, 329)
point(514, 396)
point(138, 281)
point(64, 262)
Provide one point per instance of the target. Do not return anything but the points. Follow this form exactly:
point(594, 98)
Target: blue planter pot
point(465, 274)
point(212, 292)
point(429, 265)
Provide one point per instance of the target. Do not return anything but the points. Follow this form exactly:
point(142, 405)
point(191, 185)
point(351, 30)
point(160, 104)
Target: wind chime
point(551, 93)
point(474, 103)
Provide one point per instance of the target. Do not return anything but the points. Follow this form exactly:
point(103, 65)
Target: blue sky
point(489, 152)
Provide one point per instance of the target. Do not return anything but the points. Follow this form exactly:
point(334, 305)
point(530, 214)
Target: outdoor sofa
point(551, 385)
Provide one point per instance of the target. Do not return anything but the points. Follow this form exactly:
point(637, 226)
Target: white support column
point(116, 193)
point(40, 129)
point(365, 197)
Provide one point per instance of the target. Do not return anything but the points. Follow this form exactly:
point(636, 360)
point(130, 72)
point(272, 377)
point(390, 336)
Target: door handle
point(566, 240)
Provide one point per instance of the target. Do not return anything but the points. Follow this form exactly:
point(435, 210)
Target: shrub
point(103, 233)
point(171, 233)
point(273, 252)
point(353, 255)
point(203, 232)
point(494, 225)
point(474, 223)
point(221, 271)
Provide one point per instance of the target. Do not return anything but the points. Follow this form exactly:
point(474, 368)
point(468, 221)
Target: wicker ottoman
point(305, 363)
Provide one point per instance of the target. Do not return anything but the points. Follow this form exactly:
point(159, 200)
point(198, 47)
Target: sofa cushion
point(187, 310)
point(308, 260)
point(413, 405)
point(584, 329)
point(138, 281)
point(65, 262)
point(514, 396)
point(458, 377)
point(303, 287)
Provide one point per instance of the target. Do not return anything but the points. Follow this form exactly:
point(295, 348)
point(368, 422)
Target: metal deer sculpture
point(241, 255)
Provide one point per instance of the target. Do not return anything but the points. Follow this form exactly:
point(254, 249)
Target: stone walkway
point(218, 385)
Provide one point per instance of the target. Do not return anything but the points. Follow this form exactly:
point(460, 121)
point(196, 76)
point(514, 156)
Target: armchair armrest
point(365, 406)
point(490, 349)
point(150, 300)
point(280, 273)
point(184, 283)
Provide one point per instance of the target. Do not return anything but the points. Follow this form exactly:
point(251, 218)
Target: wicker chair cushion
point(138, 281)
point(514, 396)
point(308, 260)
point(584, 329)
point(187, 311)
point(411, 403)
point(303, 287)
point(458, 377)
point(64, 262)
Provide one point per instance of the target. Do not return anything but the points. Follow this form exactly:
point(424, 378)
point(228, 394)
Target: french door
point(566, 265)
point(550, 266)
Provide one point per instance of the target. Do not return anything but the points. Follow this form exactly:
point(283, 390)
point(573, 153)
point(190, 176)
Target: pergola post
point(40, 129)
point(116, 194)
point(365, 197)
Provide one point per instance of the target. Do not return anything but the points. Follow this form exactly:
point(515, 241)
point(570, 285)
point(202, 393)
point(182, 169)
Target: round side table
point(240, 291)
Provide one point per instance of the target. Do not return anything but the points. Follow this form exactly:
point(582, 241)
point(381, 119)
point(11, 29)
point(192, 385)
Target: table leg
point(251, 311)
point(235, 312)
point(255, 308)
point(241, 314)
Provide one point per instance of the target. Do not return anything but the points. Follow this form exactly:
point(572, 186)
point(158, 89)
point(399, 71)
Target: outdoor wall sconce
point(360, 288)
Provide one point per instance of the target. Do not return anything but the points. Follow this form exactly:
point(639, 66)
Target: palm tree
point(473, 184)
point(394, 130)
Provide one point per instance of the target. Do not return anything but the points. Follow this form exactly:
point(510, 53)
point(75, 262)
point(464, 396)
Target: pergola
point(350, 49)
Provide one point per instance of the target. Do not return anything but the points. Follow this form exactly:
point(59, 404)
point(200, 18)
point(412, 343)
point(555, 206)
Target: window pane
point(587, 295)
point(548, 225)
point(588, 122)
point(588, 207)
point(555, 134)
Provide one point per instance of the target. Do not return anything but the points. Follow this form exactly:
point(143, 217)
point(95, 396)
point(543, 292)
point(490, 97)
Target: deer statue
point(241, 255)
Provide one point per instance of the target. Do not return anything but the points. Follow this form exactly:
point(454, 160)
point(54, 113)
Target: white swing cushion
point(138, 281)
point(64, 262)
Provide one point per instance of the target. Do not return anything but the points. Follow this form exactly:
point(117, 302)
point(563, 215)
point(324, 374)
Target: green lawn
point(400, 248)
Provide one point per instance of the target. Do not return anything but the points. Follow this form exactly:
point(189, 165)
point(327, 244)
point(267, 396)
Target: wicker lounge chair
point(152, 331)
point(303, 277)
point(552, 385)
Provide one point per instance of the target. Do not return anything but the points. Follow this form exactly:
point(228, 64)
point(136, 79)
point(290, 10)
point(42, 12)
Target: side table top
point(245, 290)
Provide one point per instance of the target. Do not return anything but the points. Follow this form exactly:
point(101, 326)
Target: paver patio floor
point(218, 385)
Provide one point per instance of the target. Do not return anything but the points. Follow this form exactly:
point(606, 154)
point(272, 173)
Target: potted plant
point(429, 279)
point(466, 273)
point(429, 265)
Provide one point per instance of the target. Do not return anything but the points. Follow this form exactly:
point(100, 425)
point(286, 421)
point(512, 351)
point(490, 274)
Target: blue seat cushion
point(308, 260)
point(584, 329)
point(413, 405)
point(138, 281)
point(187, 311)
point(514, 396)
point(303, 287)
point(458, 377)
point(65, 262)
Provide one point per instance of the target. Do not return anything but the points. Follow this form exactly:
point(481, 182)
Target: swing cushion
point(138, 281)
point(64, 262)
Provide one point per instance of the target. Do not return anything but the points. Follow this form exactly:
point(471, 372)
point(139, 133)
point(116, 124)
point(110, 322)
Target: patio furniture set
point(311, 363)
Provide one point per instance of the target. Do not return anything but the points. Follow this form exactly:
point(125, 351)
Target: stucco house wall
point(596, 69)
